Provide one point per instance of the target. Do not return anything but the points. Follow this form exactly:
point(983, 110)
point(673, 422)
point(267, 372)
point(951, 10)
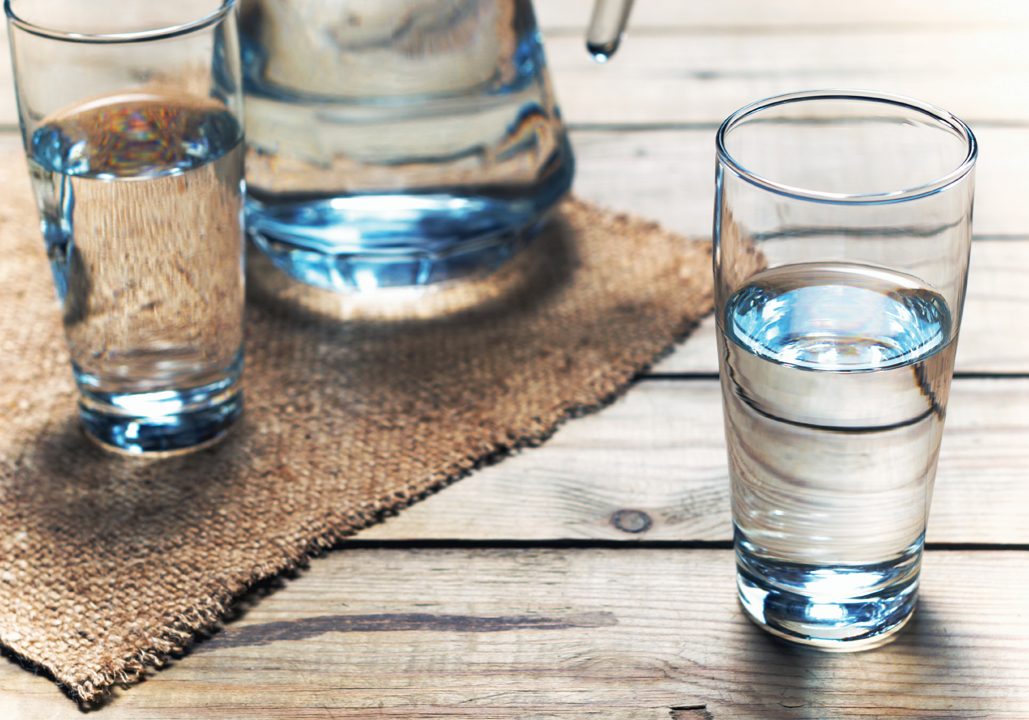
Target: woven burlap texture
point(109, 564)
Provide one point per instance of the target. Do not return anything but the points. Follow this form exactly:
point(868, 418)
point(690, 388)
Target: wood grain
point(659, 454)
point(631, 633)
point(703, 77)
point(760, 16)
point(668, 175)
point(696, 62)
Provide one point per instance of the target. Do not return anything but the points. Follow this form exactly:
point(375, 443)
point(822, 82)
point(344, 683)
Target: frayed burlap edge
point(205, 619)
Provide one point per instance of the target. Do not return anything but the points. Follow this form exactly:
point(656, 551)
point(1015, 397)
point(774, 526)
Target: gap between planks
point(358, 543)
point(506, 634)
point(687, 376)
point(653, 467)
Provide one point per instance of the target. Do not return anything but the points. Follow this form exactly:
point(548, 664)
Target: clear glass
point(131, 117)
point(842, 232)
point(397, 142)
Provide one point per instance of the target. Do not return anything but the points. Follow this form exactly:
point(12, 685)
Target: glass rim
point(158, 33)
point(932, 187)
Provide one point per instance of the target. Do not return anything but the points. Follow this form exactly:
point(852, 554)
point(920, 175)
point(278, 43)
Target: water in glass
point(835, 381)
point(140, 197)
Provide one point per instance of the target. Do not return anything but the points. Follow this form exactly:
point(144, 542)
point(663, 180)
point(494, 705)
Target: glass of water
point(131, 120)
point(842, 233)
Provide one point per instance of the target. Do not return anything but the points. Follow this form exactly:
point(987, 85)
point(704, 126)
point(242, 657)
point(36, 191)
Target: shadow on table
point(797, 682)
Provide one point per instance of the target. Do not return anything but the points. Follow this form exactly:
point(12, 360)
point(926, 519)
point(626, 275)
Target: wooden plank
point(969, 64)
point(649, 16)
point(653, 467)
point(702, 78)
point(626, 634)
point(668, 175)
point(564, 24)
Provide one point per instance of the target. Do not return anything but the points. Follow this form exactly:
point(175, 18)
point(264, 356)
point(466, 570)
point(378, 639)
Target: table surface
point(593, 577)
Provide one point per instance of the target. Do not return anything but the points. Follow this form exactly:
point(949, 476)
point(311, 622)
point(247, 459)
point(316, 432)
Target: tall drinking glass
point(131, 119)
point(842, 233)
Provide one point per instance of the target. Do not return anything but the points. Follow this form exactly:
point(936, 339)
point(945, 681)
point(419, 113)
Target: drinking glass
point(130, 115)
point(842, 231)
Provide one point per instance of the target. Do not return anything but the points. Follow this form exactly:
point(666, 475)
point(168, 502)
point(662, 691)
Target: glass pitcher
point(401, 142)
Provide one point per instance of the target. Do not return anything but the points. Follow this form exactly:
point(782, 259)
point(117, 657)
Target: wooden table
point(593, 577)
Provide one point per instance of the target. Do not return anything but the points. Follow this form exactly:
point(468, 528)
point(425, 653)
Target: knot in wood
point(631, 521)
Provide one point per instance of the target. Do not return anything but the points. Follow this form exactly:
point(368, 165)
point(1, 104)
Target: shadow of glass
point(787, 681)
point(84, 494)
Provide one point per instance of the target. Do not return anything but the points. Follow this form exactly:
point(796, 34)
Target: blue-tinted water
point(835, 382)
point(838, 317)
point(140, 198)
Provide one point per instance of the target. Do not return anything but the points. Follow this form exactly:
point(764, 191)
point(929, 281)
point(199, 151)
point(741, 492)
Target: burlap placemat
point(108, 564)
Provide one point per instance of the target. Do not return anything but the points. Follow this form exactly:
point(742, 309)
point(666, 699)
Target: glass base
point(371, 269)
point(166, 422)
point(838, 608)
point(384, 240)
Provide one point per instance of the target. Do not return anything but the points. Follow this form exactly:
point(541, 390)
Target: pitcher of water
point(401, 142)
